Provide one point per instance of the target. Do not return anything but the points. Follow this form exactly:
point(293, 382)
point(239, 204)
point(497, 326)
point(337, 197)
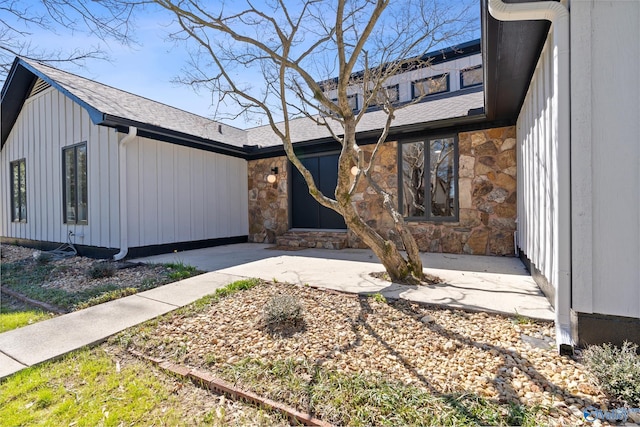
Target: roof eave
point(20, 80)
point(371, 136)
point(167, 135)
point(510, 53)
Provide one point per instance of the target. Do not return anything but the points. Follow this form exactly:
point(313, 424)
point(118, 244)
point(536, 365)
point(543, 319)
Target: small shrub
point(281, 310)
point(378, 297)
point(617, 370)
point(101, 269)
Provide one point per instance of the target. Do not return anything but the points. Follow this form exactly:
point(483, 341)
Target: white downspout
point(558, 14)
point(122, 178)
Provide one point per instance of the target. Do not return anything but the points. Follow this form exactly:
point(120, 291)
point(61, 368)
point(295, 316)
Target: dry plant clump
point(283, 315)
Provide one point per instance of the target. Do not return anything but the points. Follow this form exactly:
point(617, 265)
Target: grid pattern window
point(18, 190)
point(76, 194)
point(429, 195)
point(472, 76)
point(430, 86)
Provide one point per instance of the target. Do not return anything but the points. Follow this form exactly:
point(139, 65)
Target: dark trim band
point(137, 252)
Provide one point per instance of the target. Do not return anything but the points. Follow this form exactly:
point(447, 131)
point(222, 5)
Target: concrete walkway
point(470, 282)
point(46, 340)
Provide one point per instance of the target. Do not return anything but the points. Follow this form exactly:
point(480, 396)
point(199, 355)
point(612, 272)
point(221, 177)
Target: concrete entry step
point(313, 239)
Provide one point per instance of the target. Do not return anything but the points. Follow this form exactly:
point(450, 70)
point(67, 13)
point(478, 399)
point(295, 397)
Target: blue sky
point(146, 69)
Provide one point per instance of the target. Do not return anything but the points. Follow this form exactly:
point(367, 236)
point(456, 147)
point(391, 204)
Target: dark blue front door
point(305, 211)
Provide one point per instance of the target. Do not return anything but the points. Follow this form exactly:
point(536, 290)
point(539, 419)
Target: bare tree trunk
point(333, 39)
point(398, 268)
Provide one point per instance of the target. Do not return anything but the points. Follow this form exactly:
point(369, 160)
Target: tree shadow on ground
point(512, 360)
point(465, 402)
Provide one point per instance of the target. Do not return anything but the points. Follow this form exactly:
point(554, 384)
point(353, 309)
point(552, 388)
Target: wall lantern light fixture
point(271, 178)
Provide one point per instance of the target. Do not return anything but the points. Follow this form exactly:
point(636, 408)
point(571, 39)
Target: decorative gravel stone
point(72, 274)
point(442, 351)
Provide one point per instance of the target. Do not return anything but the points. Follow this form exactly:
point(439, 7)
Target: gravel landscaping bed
point(444, 352)
point(71, 274)
point(69, 284)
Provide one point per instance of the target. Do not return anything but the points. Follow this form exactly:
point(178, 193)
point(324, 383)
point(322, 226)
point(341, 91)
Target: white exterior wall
point(605, 92)
point(47, 123)
point(179, 194)
point(175, 193)
point(537, 152)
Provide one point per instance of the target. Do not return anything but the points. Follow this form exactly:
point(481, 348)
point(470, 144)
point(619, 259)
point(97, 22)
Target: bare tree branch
point(297, 49)
point(108, 20)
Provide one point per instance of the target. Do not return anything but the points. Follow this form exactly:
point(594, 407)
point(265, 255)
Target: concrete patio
point(477, 283)
point(470, 282)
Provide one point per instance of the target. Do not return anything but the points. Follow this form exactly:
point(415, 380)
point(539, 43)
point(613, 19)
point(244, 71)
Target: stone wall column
point(268, 202)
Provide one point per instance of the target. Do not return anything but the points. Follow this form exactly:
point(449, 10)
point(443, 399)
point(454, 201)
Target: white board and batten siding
point(605, 160)
point(536, 155)
point(48, 122)
point(180, 194)
point(174, 193)
point(605, 150)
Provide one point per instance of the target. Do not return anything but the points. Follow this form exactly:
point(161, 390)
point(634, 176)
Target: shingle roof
point(113, 107)
point(114, 104)
point(455, 105)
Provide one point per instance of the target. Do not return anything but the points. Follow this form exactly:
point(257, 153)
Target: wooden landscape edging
point(222, 387)
point(39, 304)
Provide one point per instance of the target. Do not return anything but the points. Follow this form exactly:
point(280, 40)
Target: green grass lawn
point(88, 388)
point(9, 321)
point(104, 386)
point(15, 314)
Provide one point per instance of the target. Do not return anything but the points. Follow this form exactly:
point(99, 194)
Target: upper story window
point(18, 190)
point(389, 94)
point(76, 193)
point(472, 76)
point(351, 99)
point(429, 194)
point(430, 86)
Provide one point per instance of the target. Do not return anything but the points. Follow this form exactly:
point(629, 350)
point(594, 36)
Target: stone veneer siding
point(486, 195)
point(268, 203)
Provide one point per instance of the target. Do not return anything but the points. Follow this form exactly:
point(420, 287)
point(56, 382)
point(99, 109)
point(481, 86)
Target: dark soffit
point(510, 54)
